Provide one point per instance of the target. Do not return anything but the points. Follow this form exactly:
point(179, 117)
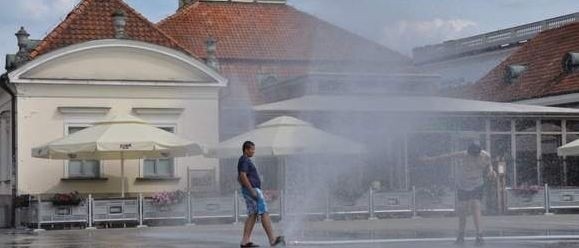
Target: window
point(163, 167)
point(82, 168)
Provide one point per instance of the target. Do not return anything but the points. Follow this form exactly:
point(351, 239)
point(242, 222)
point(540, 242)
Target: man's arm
point(441, 157)
point(244, 180)
point(489, 166)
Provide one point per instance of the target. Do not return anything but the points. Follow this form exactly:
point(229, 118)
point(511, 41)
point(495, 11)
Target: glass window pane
point(91, 168)
point(439, 124)
point(551, 126)
point(572, 171)
point(75, 168)
point(572, 137)
point(470, 124)
point(525, 125)
point(165, 167)
point(501, 151)
point(572, 126)
point(149, 167)
point(526, 159)
point(572, 163)
point(501, 125)
point(551, 163)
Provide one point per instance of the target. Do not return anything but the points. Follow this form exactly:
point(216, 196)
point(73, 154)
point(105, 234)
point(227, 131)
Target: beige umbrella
point(121, 137)
point(569, 149)
point(284, 136)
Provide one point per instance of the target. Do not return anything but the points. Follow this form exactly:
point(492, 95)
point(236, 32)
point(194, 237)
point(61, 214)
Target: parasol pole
point(122, 174)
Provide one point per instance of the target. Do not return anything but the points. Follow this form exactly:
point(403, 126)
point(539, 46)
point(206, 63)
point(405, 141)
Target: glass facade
point(528, 146)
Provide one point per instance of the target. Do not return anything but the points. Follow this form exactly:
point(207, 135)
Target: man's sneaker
point(479, 241)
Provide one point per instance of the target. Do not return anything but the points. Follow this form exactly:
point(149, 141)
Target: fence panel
point(116, 210)
point(525, 200)
point(391, 202)
point(217, 207)
point(152, 211)
point(562, 198)
point(443, 201)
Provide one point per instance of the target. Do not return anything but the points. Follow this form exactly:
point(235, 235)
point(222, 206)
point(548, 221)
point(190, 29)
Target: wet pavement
point(560, 231)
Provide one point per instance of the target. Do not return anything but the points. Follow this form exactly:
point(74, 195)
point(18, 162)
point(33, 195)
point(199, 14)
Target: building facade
point(70, 80)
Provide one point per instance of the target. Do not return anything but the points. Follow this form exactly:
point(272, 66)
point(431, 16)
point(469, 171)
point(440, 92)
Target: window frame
point(66, 170)
point(174, 160)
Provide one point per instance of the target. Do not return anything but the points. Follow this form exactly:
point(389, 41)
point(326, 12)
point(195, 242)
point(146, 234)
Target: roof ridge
point(73, 14)
point(181, 11)
point(152, 25)
point(86, 5)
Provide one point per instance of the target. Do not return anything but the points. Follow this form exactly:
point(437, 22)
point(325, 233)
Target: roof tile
point(544, 76)
point(91, 20)
point(270, 32)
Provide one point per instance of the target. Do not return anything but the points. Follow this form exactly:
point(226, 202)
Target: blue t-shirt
point(245, 165)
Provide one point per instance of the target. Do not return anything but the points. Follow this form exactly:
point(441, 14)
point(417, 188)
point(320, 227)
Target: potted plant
point(66, 199)
point(166, 199)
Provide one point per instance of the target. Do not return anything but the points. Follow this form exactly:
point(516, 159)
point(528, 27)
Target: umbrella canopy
point(570, 149)
point(122, 137)
point(106, 140)
point(285, 136)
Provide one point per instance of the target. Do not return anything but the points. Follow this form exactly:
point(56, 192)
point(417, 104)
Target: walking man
point(473, 163)
point(254, 199)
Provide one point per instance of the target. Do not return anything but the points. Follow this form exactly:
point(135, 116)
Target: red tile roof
point(544, 76)
point(270, 32)
point(91, 20)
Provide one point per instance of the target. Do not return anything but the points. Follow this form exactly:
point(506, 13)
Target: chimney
point(23, 47)
point(211, 49)
point(119, 22)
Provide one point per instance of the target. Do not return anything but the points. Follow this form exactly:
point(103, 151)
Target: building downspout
point(4, 84)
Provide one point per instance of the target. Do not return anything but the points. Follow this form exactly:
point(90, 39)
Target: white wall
point(118, 76)
point(5, 145)
point(40, 122)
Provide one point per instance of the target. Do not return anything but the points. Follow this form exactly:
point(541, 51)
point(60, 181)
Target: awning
point(407, 104)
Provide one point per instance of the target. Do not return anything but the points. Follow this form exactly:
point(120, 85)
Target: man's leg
point(266, 223)
point(476, 215)
point(462, 212)
point(248, 228)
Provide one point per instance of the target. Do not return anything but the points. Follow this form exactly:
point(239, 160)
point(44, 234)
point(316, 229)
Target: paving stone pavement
point(557, 231)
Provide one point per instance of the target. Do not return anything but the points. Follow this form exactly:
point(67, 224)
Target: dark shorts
point(467, 195)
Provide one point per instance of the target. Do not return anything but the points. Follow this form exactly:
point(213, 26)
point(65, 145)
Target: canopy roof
point(407, 104)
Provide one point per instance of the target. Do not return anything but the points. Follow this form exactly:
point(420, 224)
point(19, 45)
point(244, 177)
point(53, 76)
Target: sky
point(398, 24)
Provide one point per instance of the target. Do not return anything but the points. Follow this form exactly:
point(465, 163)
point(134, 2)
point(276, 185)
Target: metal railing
point(493, 40)
point(372, 204)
